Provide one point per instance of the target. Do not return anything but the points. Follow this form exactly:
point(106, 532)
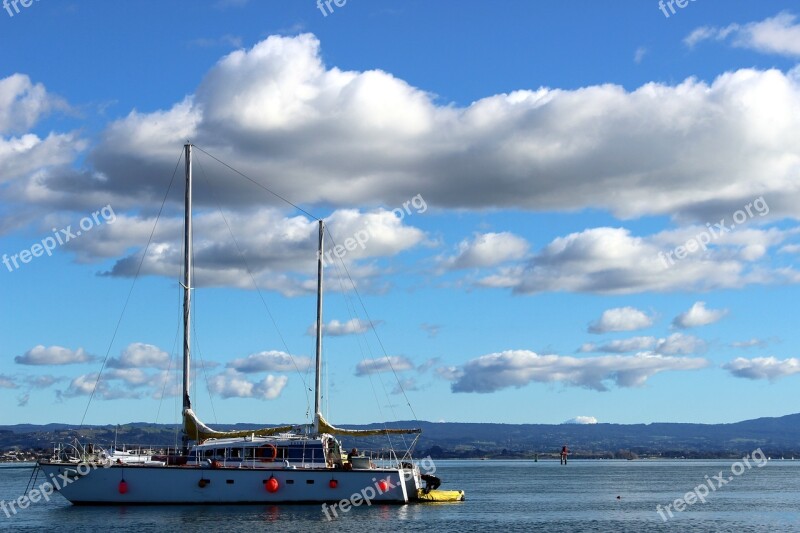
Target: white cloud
point(406, 385)
point(621, 319)
point(612, 261)
point(775, 35)
point(141, 355)
point(383, 364)
point(680, 344)
point(487, 250)
point(84, 385)
point(42, 382)
point(750, 343)
point(23, 103)
point(769, 368)
point(634, 344)
point(231, 384)
point(638, 56)
point(675, 344)
point(698, 315)
point(279, 250)
point(545, 149)
point(7, 382)
point(53, 355)
point(271, 361)
point(581, 420)
point(334, 328)
point(449, 373)
point(518, 368)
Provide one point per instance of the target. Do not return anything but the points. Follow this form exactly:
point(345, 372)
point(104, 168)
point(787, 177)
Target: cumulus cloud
point(53, 355)
point(543, 149)
point(270, 361)
point(675, 344)
point(698, 315)
point(680, 344)
point(334, 328)
point(84, 385)
point(279, 250)
point(769, 368)
point(634, 344)
point(23, 103)
point(613, 261)
point(774, 35)
point(487, 250)
point(581, 420)
point(449, 373)
point(750, 343)
point(518, 368)
point(141, 355)
point(383, 364)
point(231, 384)
point(621, 319)
point(42, 382)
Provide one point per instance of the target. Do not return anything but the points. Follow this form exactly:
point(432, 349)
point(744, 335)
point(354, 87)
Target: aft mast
point(187, 288)
point(318, 374)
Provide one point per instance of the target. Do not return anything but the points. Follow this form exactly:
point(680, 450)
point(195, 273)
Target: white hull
point(182, 484)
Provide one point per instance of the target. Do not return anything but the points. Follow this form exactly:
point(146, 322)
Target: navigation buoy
point(382, 485)
point(333, 483)
point(123, 487)
point(272, 485)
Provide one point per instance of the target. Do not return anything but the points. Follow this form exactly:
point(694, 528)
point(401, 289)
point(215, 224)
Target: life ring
point(260, 453)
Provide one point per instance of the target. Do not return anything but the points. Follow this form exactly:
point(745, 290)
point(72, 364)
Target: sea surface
point(502, 496)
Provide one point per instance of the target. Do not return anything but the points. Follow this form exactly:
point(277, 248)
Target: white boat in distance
point(288, 464)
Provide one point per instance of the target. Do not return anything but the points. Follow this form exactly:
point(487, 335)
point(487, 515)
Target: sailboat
point(286, 464)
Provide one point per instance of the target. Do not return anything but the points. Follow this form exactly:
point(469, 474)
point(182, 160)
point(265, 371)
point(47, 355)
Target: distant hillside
point(776, 436)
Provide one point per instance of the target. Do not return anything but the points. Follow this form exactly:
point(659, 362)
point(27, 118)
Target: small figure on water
point(431, 482)
point(564, 453)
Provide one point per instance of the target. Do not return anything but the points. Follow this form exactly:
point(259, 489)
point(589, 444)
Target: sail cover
point(200, 432)
point(324, 427)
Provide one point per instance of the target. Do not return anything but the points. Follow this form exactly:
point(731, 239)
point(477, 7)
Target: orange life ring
point(260, 451)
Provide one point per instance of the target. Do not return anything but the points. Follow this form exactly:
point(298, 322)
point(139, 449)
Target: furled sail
point(324, 427)
point(198, 431)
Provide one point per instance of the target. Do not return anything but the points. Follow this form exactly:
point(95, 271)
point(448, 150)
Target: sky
point(546, 212)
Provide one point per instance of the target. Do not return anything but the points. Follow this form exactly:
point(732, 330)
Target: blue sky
point(560, 164)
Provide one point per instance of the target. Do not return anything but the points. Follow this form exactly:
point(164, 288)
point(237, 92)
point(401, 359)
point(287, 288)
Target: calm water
point(501, 495)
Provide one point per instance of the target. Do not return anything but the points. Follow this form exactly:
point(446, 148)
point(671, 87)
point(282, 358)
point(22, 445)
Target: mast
point(187, 284)
point(318, 374)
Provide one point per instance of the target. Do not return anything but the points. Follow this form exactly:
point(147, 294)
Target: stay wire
point(258, 289)
point(130, 292)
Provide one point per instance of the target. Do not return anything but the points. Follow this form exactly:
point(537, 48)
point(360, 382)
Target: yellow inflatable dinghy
point(440, 495)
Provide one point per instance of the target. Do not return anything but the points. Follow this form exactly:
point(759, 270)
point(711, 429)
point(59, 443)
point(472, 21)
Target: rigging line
point(169, 366)
point(202, 360)
point(130, 292)
point(174, 351)
point(248, 178)
point(372, 326)
point(352, 312)
point(260, 294)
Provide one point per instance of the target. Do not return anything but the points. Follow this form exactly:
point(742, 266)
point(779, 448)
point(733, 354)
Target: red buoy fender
point(272, 485)
point(123, 487)
point(333, 483)
point(382, 485)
